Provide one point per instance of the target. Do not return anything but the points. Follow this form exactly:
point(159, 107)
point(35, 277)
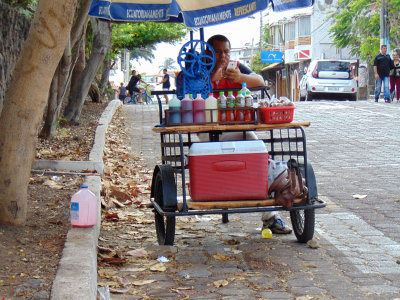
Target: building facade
point(301, 35)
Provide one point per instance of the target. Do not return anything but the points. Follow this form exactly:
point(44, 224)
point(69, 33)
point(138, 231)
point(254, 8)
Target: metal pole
point(261, 31)
point(384, 23)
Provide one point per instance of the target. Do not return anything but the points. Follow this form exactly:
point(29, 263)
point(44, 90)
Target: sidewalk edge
point(76, 276)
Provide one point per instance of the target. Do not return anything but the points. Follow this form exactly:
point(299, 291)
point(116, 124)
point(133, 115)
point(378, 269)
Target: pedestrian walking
point(166, 84)
point(395, 76)
point(382, 63)
point(122, 92)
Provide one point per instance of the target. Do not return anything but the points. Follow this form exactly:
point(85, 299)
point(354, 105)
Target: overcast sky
point(239, 33)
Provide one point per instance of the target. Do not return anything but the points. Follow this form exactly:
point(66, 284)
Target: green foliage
point(136, 35)
point(256, 64)
point(357, 26)
point(169, 64)
point(26, 7)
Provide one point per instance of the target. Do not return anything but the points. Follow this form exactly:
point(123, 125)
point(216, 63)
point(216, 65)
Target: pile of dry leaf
point(30, 254)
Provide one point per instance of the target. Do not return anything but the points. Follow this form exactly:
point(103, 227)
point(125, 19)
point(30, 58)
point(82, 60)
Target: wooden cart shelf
point(217, 127)
point(229, 204)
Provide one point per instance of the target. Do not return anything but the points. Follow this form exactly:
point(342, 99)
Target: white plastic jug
point(274, 169)
point(84, 207)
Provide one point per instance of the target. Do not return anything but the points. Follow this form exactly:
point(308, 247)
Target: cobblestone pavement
point(354, 149)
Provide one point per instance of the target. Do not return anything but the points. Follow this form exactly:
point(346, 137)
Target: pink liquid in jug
point(84, 208)
point(199, 105)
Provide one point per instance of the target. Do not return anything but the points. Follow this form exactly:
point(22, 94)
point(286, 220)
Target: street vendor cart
point(171, 187)
point(215, 177)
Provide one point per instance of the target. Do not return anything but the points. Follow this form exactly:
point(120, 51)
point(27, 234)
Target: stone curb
point(76, 276)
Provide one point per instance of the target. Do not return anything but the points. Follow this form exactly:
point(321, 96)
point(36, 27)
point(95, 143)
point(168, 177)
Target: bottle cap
point(84, 186)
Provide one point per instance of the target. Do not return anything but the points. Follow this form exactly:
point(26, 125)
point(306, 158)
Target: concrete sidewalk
point(76, 276)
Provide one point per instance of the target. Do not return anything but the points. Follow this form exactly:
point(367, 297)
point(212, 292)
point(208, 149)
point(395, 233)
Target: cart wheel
point(225, 218)
point(164, 193)
point(303, 222)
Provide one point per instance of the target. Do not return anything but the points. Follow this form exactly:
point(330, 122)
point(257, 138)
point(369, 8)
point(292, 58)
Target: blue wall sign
point(271, 56)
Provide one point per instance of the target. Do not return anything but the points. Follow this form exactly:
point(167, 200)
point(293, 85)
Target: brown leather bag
point(288, 186)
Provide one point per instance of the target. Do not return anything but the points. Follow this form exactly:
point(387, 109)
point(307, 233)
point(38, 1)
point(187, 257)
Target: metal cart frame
point(285, 142)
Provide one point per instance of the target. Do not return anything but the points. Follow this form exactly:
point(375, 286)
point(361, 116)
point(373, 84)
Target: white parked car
point(328, 77)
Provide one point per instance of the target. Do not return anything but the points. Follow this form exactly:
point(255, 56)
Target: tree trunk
point(101, 43)
point(79, 66)
point(48, 129)
point(105, 74)
point(26, 101)
point(64, 71)
point(57, 93)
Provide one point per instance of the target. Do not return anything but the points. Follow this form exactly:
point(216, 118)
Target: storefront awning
point(272, 67)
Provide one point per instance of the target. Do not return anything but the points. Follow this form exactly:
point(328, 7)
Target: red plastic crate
point(277, 115)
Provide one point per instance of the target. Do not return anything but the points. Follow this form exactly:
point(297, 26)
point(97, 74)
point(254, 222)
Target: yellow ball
point(266, 233)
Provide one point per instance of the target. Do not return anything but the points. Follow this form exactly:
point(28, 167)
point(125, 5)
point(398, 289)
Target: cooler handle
point(229, 166)
point(228, 147)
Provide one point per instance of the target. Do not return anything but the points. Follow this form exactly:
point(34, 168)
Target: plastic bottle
point(244, 88)
point(239, 104)
point(211, 103)
point(248, 114)
point(187, 110)
point(175, 110)
point(274, 169)
point(221, 107)
point(199, 104)
point(84, 208)
point(230, 104)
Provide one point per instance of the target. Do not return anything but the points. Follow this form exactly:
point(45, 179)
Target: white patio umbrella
point(194, 13)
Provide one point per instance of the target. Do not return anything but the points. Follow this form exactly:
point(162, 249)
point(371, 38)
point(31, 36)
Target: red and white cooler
point(233, 170)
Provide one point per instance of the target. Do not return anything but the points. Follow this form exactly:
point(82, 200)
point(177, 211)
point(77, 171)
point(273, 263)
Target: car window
point(341, 66)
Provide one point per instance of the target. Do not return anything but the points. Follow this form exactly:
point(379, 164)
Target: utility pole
point(261, 31)
point(384, 22)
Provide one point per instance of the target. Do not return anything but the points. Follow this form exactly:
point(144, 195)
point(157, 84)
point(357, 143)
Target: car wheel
point(301, 98)
point(353, 97)
point(309, 96)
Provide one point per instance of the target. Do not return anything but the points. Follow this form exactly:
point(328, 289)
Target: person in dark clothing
point(132, 85)
point(382, 66)
point(166, 84)
point(122, 92)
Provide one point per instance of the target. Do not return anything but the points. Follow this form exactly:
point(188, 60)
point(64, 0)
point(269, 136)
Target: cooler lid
point(234, 147)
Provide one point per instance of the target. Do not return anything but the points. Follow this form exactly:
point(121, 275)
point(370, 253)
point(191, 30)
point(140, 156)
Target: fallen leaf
point(119, 291)
point(137, 253)
point(220, 283)
point(118, 194)
point(117, 203)
point(52, 184)
point(104, 249)
point(357, 196)
point(142, 282)
point(106, 273)
point(124, 281)
point(222, 257)
point(160, 267)
point(112, 216)
point(313, 244)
